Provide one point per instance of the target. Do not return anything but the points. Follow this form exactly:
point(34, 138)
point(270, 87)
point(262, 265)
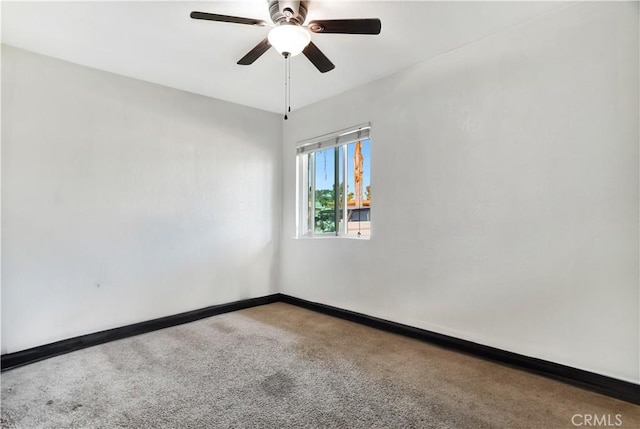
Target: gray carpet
point(279, 366)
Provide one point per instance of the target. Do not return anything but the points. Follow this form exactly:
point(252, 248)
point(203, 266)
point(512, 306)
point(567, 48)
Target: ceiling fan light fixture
point(289, 38)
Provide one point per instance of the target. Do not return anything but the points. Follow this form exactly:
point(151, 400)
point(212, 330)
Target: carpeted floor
point(280, 366)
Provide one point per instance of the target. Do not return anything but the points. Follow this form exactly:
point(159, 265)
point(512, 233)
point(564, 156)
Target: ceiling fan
point(290, 36)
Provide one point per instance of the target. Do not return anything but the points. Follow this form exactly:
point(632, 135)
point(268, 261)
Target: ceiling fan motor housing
point(287, 10)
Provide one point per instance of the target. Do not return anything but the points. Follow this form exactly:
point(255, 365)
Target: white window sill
point(332, 237)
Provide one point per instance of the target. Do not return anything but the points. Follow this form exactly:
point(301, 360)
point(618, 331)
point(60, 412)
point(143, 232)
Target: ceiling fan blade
point(318, 59)
point(227, 18)
point(255, 53)
point(346, 26)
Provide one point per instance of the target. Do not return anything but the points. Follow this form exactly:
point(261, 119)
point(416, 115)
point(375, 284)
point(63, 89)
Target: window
point(334, 185)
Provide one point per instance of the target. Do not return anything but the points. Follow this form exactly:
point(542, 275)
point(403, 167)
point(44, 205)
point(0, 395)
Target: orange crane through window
point(358, 162)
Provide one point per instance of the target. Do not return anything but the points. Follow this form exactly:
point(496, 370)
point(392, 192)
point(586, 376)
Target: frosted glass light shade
point(289, 38)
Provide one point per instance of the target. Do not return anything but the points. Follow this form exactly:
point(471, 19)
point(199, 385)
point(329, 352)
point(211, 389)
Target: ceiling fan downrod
point(294, 12)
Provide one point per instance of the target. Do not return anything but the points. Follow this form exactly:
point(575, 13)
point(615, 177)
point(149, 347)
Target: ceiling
point(158, 42)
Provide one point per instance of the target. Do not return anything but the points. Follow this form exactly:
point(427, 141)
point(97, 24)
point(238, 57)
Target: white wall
point(505, 194)
point(167, 200)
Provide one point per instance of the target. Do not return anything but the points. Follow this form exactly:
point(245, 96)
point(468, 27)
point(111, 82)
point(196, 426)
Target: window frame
point(306, 151)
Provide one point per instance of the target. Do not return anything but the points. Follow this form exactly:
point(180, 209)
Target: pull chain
point(289, 86)
point(286, 85)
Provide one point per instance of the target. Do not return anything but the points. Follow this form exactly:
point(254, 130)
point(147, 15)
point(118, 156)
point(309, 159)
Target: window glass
point(359, 187)
point(324, 204)
point(336, 184)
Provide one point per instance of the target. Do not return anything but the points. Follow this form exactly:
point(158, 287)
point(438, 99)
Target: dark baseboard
point(24, 357)
point(612, 387)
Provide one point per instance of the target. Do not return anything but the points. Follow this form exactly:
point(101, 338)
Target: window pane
point(341, 188)
point(359, 188)
point(324, 207)
point(310, 193)
point(337, 188)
